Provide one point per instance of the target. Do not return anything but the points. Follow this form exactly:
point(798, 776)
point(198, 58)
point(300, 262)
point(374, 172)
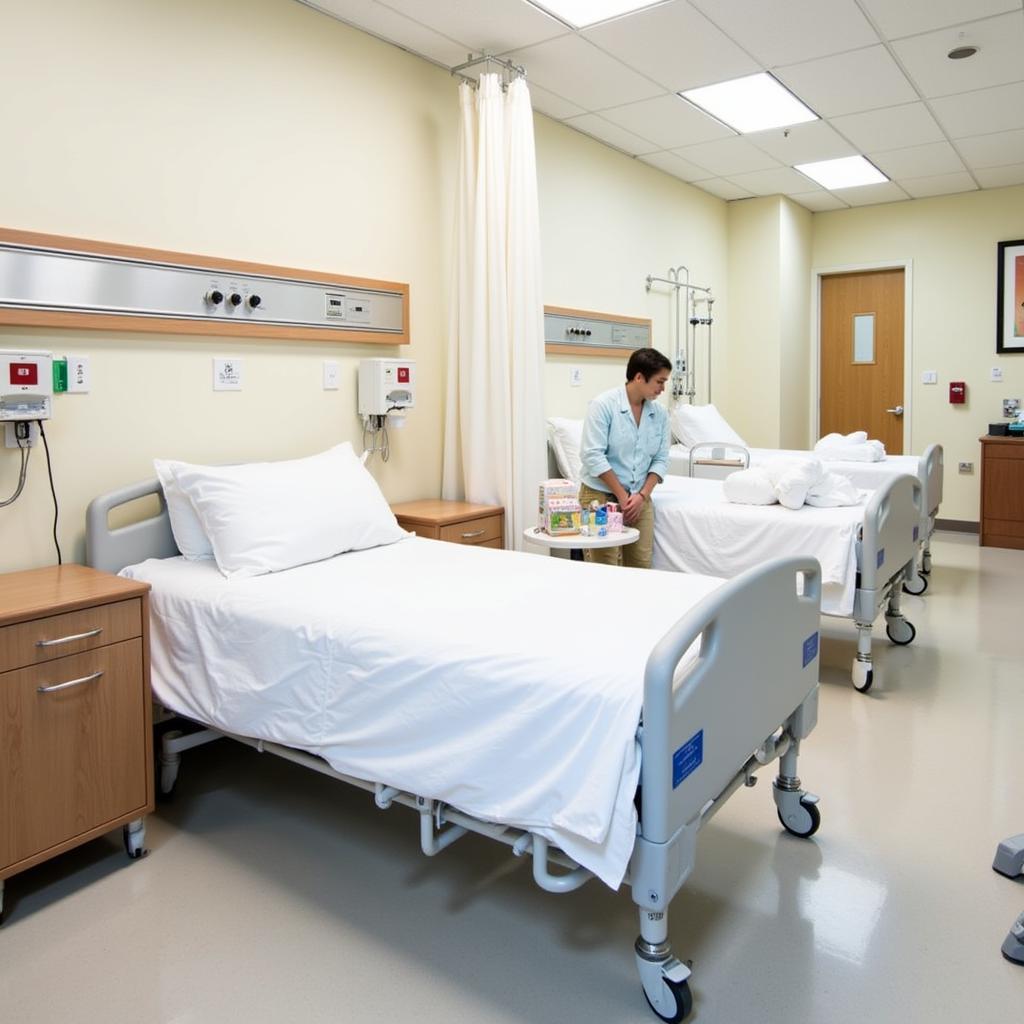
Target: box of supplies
point(554, 490)
point(562, 517)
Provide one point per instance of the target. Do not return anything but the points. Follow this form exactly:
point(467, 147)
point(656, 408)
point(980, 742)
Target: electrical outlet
point(227, 374)
point(965, 467)
point(996, 373)
point(1011, 406)
point(575, 376)
point(330, 375)
point(10, 435)
point(79, 377)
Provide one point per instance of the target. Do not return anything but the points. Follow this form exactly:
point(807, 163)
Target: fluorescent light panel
point(846, 172)
point(754, 103)
point(581, 13)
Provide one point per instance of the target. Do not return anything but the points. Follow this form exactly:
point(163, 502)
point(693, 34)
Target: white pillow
point(695, 424)
point(566, 437)
point(188, 531)
point(268, 516)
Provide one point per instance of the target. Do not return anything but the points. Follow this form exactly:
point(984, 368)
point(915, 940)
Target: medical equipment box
point(553, 490)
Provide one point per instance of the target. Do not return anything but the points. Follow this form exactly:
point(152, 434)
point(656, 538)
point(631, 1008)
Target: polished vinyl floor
point(272, 894)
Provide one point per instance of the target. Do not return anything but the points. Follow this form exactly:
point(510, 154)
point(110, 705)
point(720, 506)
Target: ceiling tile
point(938, 185)
point(981, 112)
point(668, 121)
point(789, 31)
point(779, 181)
point(723, 189)
point(802, 144)
point(675, 165)
point(996, 150)
point(581, 73)
point(675, 45)
point(909, 17)
point(494, 27)
point(918, 161)
point(878, 130)
point(849, 82)
point(868, 195)
point(552, 105)
point(1000, 42)
point(594, 124)
point(726, 157)
point(395, 28)
point(1000, 177)
point(818, 202)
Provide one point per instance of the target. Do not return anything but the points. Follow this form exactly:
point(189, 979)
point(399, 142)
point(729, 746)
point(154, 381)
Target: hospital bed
point(864, 550)
point(718, 459)
point(520, 722)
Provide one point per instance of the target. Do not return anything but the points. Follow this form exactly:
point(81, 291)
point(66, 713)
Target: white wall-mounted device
point(26, 385)
point(386, 386)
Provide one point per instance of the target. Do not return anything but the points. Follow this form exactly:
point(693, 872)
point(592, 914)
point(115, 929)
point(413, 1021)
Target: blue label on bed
point(880, 559)
point(810, 649)
point(917, 533)
point(688, 758)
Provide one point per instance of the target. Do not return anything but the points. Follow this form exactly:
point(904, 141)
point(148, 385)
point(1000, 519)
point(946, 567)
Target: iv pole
point(683, 375)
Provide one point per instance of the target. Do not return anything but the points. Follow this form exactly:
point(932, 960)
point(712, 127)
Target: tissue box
point(554, 490)
point(562, 517)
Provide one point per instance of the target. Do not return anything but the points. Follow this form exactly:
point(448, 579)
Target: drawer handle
point(69, 639)
point(69, 683)
point(473, 533)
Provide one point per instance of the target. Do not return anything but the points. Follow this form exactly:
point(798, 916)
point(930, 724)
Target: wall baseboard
point(957, 525)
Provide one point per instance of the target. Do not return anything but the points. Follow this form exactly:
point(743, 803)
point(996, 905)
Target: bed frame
point(749, 698)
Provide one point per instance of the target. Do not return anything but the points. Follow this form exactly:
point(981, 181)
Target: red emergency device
point(957, 392)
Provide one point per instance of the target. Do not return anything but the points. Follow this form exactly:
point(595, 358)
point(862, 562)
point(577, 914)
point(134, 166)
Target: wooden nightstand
point(460, 522)
point(1002, 492)
point(76, 742)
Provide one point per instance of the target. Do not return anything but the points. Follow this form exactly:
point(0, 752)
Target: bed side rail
point(113, 549)
point(892, 525)
point(931, 467)
point(758, 662)
point(713, 453)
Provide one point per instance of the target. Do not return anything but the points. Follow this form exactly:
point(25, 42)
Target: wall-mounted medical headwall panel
point(52, 281)
point(576, 332)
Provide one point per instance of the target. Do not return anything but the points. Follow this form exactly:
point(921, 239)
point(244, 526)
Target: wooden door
point(862, 355)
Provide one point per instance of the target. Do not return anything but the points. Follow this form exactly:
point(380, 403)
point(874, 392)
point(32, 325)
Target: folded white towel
point(853, 447)
point(749, 487)
point(793, 479)
point(833, 490)
point(841, 440)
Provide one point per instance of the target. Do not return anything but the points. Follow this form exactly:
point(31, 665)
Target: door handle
point(898, 411)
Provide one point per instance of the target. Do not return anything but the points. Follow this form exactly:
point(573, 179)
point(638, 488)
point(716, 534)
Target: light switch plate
point(996, 373)
point(227, 373)
point(575, 376)
point(930, 377)
point(330, 375)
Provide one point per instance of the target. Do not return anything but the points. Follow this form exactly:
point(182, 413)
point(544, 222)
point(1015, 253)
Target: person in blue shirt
point(624, 452)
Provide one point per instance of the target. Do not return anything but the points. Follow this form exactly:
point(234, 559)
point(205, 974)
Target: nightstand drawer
point(55, 636)
point(474, 531)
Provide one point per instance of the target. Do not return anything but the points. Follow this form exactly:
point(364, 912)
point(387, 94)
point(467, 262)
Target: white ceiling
point(876, 71)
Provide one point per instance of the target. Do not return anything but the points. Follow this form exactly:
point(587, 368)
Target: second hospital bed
point(453, 681)
point(865, 550)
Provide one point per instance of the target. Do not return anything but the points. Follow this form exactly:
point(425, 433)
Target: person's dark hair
point(647, 361)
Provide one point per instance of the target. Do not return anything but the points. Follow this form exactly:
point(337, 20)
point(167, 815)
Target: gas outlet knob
point(214, 297)
point(254, 301)
point(235, 299)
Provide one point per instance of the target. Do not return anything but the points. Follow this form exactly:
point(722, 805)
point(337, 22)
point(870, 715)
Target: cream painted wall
point(795, 239)
point(607, 222)
point(951, 241)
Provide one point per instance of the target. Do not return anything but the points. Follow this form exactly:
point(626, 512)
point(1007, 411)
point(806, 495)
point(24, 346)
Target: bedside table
point(460, 522)
point(76, 742)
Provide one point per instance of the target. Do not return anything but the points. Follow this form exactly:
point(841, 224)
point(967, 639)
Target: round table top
point(575, 540)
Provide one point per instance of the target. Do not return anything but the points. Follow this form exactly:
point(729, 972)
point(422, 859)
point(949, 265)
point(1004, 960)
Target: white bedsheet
point(507, 685)
point(868, 476)
point(697, 530)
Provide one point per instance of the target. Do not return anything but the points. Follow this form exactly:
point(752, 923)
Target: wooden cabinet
point(1002, 492)
point(460, 522)
point(76, 748)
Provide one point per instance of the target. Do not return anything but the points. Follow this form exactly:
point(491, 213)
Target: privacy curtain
point(494, 447)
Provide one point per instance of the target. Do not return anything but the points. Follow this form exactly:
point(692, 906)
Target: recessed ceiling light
point(581, 13)
point(751, 104)
point(962, 52)
point(846, 172)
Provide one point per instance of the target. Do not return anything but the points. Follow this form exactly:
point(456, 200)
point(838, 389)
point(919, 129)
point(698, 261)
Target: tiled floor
point(274, 894)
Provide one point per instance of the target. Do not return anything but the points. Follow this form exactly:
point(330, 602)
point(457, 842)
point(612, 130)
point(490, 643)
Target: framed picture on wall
point(1010, 302)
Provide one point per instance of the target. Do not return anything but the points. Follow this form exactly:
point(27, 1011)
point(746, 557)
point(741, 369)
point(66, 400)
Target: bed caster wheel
point(679, 993)
point(134, 835)
point(900, 631)
point(863, 676)
point(803, 825)
point(926, 563)
point(917, 586)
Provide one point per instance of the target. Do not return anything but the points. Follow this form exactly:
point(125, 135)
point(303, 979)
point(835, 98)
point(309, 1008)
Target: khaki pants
point(638, 554)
